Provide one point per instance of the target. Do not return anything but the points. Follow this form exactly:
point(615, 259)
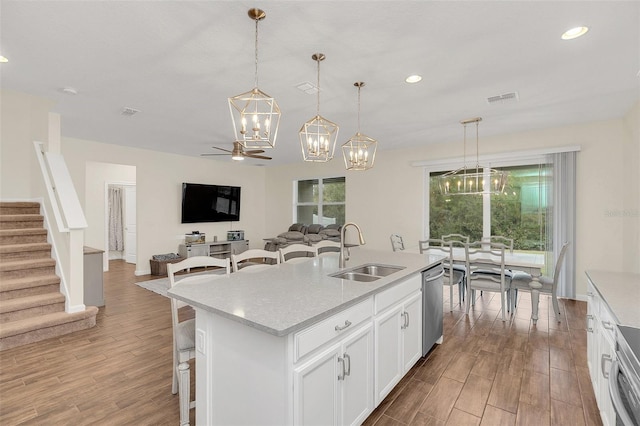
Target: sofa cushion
point(292, 236)
point(330, 232)
point(314, 238)
point(314, 229)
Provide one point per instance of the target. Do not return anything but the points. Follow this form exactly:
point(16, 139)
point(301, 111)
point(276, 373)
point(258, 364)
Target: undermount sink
point(367, 273)
point(353, 276)
point(377, 270)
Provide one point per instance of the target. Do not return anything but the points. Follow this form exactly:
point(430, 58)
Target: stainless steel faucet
point(343, 258)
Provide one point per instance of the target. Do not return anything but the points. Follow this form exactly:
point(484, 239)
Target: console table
point(220, 249)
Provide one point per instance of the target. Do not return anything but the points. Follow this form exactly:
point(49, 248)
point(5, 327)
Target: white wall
point(23, 119)
point(631, 212)
point(159, 178)
point(389, 198)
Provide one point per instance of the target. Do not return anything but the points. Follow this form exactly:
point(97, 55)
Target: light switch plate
point(200, 341)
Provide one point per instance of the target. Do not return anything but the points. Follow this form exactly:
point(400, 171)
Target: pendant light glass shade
point(318, 136)
point(472, 181)
point(254, 114)
point(359, 152)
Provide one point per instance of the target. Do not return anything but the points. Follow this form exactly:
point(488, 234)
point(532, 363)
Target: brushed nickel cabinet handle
point(347, 323)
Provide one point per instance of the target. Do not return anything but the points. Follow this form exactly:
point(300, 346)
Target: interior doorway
point(120, 221)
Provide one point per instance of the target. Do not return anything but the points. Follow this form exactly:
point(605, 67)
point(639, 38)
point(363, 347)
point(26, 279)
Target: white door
point(357, 386)
point(130, 224)
point(388, 350)
point(412, 332)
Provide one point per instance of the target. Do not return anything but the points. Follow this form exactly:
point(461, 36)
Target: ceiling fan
point(238, 153)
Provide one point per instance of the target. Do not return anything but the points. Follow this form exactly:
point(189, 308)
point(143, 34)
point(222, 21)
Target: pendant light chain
point(359, 86)
point(464, 147)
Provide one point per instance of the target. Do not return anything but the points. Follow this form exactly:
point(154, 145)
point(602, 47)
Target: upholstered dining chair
point(254, 258)
point(397, 243)
point(184, 331)
point(295, 253)
point(521, 281)
point(486, 272)
point(452, 277)
point(326, 247)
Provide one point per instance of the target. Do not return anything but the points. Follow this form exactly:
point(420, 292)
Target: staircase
point(31, 305)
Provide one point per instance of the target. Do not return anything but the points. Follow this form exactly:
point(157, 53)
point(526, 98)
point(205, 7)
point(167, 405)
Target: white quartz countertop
point(621, 291)
point(285, 298)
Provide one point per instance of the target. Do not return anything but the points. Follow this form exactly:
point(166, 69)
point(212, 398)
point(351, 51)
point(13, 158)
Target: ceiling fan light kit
point(254, 114)
point(318, 136)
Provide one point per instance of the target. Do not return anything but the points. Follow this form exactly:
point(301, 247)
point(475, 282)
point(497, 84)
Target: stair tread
point(19, 204)
point(26, 302)
point(20, 217)
point(42, 321)
point(22, 231)
point(30, 281)
point(9, 265)
point(14, 248)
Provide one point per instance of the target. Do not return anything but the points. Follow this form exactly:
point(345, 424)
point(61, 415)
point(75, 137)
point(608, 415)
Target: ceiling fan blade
point(254, 151)
point(261, 157)
point(221, 149)
point(208, 155)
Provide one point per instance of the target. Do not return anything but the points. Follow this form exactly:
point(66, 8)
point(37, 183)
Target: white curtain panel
point(116, 236)
point(564, 219)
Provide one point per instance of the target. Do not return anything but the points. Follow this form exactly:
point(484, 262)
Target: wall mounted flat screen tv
point(210, 203)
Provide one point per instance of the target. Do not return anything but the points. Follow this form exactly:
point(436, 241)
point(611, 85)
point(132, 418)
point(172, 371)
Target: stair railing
point(62, 200)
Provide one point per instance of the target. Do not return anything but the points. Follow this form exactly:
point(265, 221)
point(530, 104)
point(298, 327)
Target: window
point(320, 201)
point(520, 212)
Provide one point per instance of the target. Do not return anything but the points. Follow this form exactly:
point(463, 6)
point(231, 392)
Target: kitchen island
point(292, 345)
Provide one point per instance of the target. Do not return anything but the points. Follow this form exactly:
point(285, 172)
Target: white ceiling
point(179, 61)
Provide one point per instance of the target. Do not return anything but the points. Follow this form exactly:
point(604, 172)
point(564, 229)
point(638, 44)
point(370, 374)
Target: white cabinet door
point(388, 350)
point(592, 336)
point(316, 389)
point(336, 386)
point(357, 386)
point(412, 332)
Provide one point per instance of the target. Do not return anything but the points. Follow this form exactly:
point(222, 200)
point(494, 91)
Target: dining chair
point(184, 331)
point(500, 240)
point(486, 272)
point(326, 247)
point(254, 258)
point(397, 244)
point(452, 277)
point(521, 281)
point(457, 241)
point(295, 253)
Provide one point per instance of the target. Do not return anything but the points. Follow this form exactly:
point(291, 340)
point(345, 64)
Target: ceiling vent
point(128, 112)
point(504, 98)
point(308, 88)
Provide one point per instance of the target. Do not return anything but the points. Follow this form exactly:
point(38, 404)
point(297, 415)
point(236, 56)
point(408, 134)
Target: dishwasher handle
point(614, 393)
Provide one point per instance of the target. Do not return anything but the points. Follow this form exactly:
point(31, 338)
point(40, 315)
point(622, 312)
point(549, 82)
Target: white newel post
point(76, 271)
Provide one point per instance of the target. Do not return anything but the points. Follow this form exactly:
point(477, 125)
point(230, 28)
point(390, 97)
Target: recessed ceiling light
point(3, 59)
point(413, 78)
point(574, 33)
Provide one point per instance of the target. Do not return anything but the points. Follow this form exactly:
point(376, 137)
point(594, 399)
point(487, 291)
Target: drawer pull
point(347, 323)
point(589, 329)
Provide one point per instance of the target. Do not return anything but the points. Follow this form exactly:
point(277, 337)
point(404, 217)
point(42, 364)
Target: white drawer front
point(397, 293)
point(339, 324)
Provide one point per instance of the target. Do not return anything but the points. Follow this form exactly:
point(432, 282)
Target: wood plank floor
point(486, 372)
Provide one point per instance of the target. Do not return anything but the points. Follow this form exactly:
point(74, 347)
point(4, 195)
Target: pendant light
point(255, 115)
point(472, 181)
point(318, 136)
point(360, 151)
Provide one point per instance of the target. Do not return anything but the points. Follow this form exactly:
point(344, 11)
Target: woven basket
point(159, 267)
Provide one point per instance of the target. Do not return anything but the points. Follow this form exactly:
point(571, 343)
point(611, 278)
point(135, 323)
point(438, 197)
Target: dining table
point(531, 263)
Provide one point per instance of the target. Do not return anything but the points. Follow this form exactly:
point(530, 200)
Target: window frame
point(320, 203)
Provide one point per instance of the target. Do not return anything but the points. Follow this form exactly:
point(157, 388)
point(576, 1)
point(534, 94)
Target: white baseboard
point(139, 272)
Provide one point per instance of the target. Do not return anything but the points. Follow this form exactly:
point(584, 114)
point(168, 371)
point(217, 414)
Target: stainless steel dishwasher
point(431, 307)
